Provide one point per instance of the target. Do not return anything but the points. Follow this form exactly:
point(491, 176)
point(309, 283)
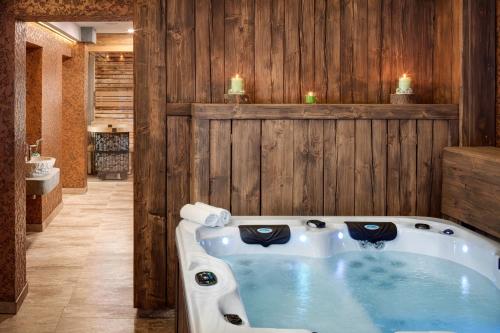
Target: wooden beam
point(150, 257)
point(478, 74)
point(325, 111)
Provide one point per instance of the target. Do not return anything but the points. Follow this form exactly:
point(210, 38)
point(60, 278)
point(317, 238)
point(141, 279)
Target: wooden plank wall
point(114, 91)
point(114, 85)
point(347, 51)
point(321, 167)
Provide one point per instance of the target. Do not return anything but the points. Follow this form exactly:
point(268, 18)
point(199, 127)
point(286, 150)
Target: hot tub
point(444, 278)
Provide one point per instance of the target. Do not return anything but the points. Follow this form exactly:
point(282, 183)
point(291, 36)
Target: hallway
point(80, 269)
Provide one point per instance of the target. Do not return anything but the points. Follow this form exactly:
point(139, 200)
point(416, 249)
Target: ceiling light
point(60, 33)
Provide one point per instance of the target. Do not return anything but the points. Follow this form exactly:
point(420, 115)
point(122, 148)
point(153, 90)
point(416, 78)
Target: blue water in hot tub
point(365, 291)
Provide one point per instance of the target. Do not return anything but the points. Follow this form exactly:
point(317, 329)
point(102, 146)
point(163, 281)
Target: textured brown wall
point(12, 136)
point(33, 93)
point(74, 114)
point(53, 49)
point(84, 10)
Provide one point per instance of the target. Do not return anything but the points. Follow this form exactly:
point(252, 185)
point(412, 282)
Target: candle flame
point(310, 93)
point(404, 75)
point(237, 76)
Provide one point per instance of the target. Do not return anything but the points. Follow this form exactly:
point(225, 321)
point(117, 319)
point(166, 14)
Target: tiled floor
point(80, 270)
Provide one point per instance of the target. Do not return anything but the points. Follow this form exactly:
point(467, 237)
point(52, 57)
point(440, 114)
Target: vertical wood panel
point(398, 36)
point(363, 179)
point(240, 43)
point(150, 179)
point(393, 167)
point(457, 51)
point(332, 44)
point(478, 74)
point(291, 67)
point(408, 170)
point(308, 167)
point(277, 50)
point(245, 189)
point(180, 51)
point(220, 163)
point(345, 167)
point(374, 53)
point(379, 148)
point(200, 160)
point(330, 167)
point(453, 133)
point(347, 51)
point(320, 60)
point(203, 12)
point(306, 43)
point(178, 139)
point(277, 167)
point(360, 51)
point(217, 51)
point(443, 34)
point(424, 166)
point(387, 52)
point(263, 47)
point(422, 49)
point(439, 141)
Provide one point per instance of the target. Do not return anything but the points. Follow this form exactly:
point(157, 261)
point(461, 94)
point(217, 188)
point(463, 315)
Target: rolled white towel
point(224, 214)
point(200, 215)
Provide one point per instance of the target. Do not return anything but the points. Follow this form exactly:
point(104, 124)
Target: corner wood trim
point(13, 307)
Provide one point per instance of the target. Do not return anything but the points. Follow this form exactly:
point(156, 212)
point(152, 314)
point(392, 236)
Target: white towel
point(200, 215)
point(224, 214)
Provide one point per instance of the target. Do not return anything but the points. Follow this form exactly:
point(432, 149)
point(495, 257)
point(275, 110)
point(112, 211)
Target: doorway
point(149, 180)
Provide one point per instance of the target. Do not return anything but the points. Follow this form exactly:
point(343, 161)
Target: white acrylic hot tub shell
point(206, 305)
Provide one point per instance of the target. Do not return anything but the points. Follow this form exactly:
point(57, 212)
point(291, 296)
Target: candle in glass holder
point(404, 83)
point(310, 98)
point(236, 85)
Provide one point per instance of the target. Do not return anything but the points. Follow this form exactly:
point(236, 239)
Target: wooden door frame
point(149, 126)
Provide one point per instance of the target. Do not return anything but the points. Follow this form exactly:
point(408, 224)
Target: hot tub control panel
point(206, 278)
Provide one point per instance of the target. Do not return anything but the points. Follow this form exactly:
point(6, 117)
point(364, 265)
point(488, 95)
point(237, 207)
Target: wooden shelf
point(325, 111)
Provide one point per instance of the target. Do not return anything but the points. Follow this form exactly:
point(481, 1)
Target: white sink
point(39, 166)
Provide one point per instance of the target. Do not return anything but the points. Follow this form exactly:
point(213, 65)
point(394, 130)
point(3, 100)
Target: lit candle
point(310, 98)
point(236, 84)
point(404, 83)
